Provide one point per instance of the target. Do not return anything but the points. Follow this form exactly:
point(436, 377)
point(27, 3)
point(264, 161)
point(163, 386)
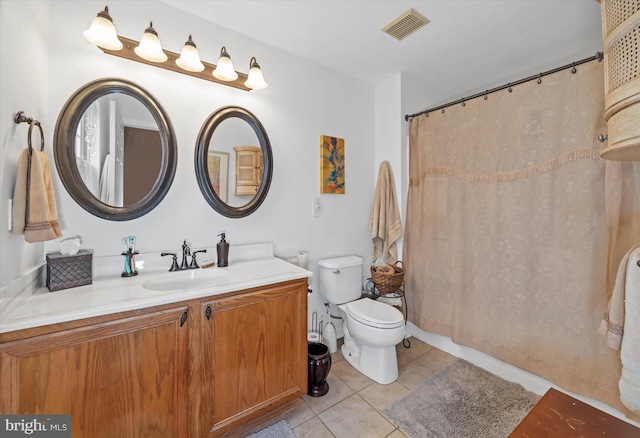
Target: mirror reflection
point(234, 162)
point(115, 149)
point(118, 150)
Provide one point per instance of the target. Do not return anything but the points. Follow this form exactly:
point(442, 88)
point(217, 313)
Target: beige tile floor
point(353, 406)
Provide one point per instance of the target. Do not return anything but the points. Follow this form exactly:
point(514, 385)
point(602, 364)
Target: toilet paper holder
point(315, 328)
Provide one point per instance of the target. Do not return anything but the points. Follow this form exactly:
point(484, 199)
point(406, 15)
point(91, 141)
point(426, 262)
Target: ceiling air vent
point(405, 25)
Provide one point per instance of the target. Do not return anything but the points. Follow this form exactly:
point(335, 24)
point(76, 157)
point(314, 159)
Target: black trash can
point(319, 366)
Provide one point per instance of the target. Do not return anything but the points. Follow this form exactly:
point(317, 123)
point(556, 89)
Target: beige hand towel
point(612, 325)
point(34, 205)
point(385, 223)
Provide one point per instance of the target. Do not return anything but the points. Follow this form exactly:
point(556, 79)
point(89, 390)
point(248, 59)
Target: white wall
point(302, 102)
point(24, 27)
point(388, 129)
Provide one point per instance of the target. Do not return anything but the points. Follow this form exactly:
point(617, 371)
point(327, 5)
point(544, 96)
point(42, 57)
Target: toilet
point(371, 329)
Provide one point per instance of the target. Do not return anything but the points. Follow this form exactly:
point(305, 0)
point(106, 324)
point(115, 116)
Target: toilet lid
point(374, 313)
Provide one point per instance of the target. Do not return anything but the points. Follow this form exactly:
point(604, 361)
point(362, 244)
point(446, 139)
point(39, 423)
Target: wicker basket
point(387, 283)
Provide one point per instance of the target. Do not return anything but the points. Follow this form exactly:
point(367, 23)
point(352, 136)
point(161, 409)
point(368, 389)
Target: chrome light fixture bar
point(149, 51)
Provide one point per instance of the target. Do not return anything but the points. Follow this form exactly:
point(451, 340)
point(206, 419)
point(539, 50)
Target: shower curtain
point(515, 228)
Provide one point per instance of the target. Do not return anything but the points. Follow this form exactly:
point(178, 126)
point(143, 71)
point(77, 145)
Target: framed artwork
point(218, 168)
point(331, 165)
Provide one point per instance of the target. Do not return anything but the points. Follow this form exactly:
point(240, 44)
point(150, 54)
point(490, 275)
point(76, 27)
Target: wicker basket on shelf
point(387, 279)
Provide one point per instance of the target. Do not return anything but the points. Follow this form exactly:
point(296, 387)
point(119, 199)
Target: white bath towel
point(612, 325)
point(106, 182)
point(630, 350)
point(385, 223)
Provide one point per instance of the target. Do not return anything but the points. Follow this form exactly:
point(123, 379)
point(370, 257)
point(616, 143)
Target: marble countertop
point(112, 294)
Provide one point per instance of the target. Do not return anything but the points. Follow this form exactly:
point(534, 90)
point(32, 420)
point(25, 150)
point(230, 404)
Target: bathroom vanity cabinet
point(255, 354)
point(206, 367)
point(125, 377)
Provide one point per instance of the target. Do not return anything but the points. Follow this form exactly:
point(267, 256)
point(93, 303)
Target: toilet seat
point(375, 314)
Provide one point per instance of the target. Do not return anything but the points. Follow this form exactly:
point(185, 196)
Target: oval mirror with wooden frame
point(115, 149)
point(233, 162)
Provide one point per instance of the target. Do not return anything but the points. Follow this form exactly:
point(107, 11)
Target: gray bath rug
point(280, 429)
point(462, 401)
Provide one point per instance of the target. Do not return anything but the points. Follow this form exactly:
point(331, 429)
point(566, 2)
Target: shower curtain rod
point(598, 56)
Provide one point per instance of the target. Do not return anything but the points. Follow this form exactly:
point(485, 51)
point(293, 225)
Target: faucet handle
point(174, 264)
point(194, 264)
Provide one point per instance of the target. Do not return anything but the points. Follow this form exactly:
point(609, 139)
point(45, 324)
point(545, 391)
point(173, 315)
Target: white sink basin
point(184, 280)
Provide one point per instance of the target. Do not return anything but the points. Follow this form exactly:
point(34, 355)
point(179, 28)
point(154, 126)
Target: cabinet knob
point(603, 138)
point(207, 312)
point(183, 318)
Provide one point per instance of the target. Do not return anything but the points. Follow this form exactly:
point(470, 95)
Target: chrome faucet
point(186, 252)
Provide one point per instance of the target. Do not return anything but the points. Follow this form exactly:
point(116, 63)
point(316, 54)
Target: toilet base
point(380, 364)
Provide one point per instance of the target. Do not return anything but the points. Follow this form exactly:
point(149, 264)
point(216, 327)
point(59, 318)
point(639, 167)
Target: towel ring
point(36, 123)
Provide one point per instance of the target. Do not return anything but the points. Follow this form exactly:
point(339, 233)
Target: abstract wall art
point(332, 171)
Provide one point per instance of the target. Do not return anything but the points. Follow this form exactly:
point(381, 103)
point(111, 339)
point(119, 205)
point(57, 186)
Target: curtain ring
point(464, 103)
point(510, 90)
point(573, 70)
point(539, 78)
point(442, 110)
point(486, 94)
point(41, 136)
point(427, 114)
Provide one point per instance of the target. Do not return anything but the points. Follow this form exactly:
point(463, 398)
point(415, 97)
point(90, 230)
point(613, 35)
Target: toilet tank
point(340, 279)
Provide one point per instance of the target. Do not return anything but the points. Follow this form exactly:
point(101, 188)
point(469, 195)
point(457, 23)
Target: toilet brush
point(329, 335)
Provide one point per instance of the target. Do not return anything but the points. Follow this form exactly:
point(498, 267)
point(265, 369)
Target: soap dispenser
point(223, 251)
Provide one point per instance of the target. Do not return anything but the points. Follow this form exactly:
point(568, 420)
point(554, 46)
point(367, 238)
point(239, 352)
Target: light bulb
point(150, 47)
point(224, 68)
point(189, 57)
point(255, 81)
point(102, 32)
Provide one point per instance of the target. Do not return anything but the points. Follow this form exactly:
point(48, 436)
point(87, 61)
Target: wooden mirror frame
point(202, 149)
point(64, 149)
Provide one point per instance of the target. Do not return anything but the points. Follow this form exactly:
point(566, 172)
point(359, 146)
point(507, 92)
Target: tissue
point(70, 246)
point(303, 259)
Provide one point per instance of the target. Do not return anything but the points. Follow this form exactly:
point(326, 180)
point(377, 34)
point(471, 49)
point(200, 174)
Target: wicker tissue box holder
point(66, 271)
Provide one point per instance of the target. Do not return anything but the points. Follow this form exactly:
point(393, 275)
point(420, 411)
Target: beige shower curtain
point(514, 223)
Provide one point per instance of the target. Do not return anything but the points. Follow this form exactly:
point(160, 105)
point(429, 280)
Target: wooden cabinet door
point(124, 378)
point(256, 353)
point(248, 169)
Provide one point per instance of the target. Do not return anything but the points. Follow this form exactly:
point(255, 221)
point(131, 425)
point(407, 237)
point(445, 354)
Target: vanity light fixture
point(190, 58)
point(255, 80)
point(102, 32)
point(149, 51)
point(150, 47)
point(224, 69)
